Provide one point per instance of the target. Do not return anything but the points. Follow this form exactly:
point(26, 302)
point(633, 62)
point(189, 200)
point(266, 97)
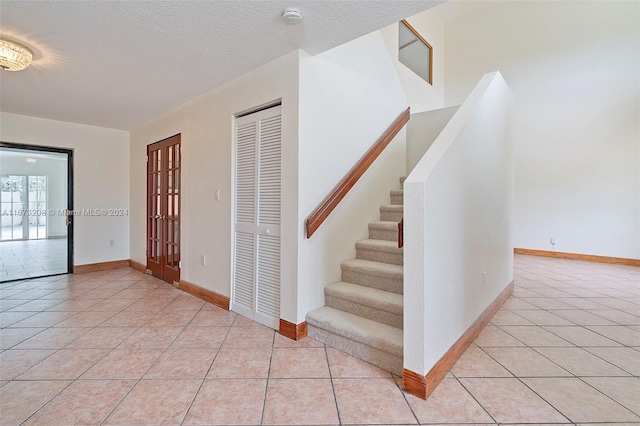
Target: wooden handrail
point(336, 195)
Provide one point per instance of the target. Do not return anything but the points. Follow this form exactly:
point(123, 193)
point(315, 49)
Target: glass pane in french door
point(34, 200)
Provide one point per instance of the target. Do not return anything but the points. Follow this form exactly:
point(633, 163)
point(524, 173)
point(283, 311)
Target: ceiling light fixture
point(14, 56)
point(31, 160)
point(292, 15)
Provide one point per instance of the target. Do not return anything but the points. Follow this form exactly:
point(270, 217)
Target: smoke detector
point(292, 15)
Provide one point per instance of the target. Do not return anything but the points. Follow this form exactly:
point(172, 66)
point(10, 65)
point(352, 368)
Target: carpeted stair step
point(382, 276)
point(379, 251)
point(397, 196)
point(377, 305)
point(376, 343)
point(391, 212)
point(402, 179)
point(383, 230)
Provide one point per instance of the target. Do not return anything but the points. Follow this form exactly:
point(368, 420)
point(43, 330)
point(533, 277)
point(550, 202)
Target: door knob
point(267, 231)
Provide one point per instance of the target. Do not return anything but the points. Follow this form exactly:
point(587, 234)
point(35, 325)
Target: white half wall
point(422, 131)
point(206, 125)
point(573, 67)
point(458, 207)
point(101, 179)
point(349, 95)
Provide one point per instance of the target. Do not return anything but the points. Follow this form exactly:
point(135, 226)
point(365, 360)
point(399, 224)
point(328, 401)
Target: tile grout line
point(333, 388)
point(71, 381)
point(195, 394)
point(577, 347)
point(457, 379)
point(406, 400)
point(548, 270)
point(523, 383)
point(266, 386)
point(136, 381)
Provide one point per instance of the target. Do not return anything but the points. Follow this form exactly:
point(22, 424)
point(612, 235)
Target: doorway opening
point(36, 198)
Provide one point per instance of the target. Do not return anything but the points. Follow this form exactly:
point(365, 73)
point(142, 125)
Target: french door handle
point(158, 216)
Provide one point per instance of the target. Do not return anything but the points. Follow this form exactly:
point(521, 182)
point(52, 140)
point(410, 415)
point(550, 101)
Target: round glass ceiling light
point(14, 56)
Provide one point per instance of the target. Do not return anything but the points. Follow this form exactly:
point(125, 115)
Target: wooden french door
point(163, 209)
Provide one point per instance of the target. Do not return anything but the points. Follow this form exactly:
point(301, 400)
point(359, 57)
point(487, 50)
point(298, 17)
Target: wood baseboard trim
point(293, 331)
point(422, 386)
point(204, 294)
point(101, 266)
point(137, 266)
point(414, 383)
point(578, 256)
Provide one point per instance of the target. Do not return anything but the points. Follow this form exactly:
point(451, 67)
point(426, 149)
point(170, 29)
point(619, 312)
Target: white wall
point(55, 169)
point(422, 131)
point(101, 179)
point(573, 67)
point(349, 95)
point(206, 125)
point(458, 207)
point(421, 95)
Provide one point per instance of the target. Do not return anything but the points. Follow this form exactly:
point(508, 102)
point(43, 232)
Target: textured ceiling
point(119, 64)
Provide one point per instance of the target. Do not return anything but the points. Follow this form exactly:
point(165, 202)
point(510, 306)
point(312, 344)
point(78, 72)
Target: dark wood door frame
point(69, 153)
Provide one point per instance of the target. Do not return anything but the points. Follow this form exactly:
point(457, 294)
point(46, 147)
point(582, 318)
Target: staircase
point(363, 313)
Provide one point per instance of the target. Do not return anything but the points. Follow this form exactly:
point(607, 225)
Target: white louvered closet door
point(256, 288)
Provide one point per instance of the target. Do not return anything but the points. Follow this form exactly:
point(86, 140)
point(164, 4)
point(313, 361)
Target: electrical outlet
point(552, 241)
point(484, 278)
point(203, 260)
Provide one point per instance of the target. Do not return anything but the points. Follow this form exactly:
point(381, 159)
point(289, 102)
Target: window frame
point(425, 42)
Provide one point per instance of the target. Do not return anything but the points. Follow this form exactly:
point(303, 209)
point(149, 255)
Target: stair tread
point(384, 225)
point(392, 207)
point(371, 297)
point(397, 192)
point(370, 267)
point(379, 245)
point(372, 333)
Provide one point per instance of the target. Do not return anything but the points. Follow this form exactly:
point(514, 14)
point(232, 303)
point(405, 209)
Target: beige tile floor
point(32, 258)
point(121, 348)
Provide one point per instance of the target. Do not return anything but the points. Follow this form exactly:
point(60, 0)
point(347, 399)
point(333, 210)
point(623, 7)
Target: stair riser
point(393, 285)
point(379, 234)
point(391, 216)
point(380, 256)
point(397, 199)
point(363, 311)
point(384, 360)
